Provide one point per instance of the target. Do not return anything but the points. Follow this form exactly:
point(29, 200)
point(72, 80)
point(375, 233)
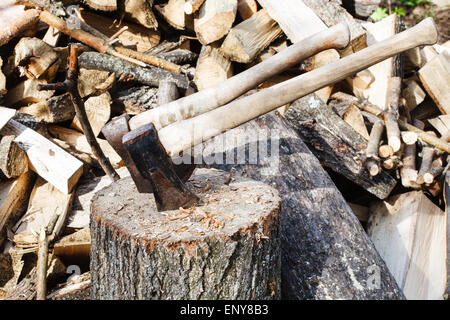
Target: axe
point(151, 149)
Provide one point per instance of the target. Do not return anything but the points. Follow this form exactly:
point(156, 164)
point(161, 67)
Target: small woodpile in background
point(383, 135)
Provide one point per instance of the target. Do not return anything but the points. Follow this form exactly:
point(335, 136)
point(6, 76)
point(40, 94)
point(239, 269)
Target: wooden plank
point(409, 232)
point(435, 77)
point(250, 37)
point(13, 195)
point(45, 202)
point(6, 114)
point(45, 158)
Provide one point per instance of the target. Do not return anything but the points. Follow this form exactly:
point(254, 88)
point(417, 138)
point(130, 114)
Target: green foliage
point(379, 14)
point(429, 14)
point(400, 11)
point(413, 3)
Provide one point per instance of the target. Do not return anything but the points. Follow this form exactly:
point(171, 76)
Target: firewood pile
point(381, 134)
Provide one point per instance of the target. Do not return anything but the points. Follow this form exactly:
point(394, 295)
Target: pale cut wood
point(27, 92)
point(360, 82)
point(45, 202)
point(250, 37)
point(435, 77)
point(2, 79)
point(52, 36)
point(56, 109)
point(79, 142)
point(98, 111)
point(409, 232)
point(103, 5)
point(372, 160)
point(90, 80)
point(6, 114)
point(20, 23)
point(247, 8)
point(13, 160)
point(203, 101)
point(355, 119)
point(428, 53)
point(214, 20)
point(442, 125)
point(385, 151)
point(413, 94)
point(13, 195)
point(141, 11)
point(45, 158)
point(134, 37)
point(167, 92)
point(184, 134)
point(174, 13)
point(192, 6)
point(377, 93)
point(74, 245)
point(212, 68)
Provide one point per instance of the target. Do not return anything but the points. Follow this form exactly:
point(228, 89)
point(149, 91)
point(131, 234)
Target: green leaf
point(379, 14)
point(400, 11)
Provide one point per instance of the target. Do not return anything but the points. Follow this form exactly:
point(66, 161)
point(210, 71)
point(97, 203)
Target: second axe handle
point(336, 37)
point(184, 134)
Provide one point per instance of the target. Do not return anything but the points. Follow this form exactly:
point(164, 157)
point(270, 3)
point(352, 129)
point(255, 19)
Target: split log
point(442, 125)
point(149, 76)
point(98, 111)
point(427, 158)
point(90, 81)
point(134, 100)
point(27, 20)
point(174, 13)
point(79, 142)
point(372, 160)
point(408, 172)
point(192, 6)
point(134, 37)
point(13, 199)
point(233, 237)
point(52, 36)
point(13, 160)
point(167, 92)
point(45, 158)
point(413, 94)
point(361, 82)
point(409, 232)
point(385, 151)
point(141, 11)
point(27, 92)
point(53, 110)
point(247, 8)
point(36, 59)
point(45, 201)
point(212, 68)
point(103, 5)
point(336, 144)
point(214, 20)
point(435, 77)
point(246, 40)
point(391, 115)
point(74, 247)
point(2, 79)
point(354, 118)
point(6, 115)
point(316, 240)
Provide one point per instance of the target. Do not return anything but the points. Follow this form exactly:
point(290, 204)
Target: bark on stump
point(226, 248)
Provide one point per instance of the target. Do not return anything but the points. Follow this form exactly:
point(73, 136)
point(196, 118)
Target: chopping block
point(226, 247)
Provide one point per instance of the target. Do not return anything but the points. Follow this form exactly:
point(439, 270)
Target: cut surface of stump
point(227, 247)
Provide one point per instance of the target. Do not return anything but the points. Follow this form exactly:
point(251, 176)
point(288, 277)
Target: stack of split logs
point(357, 203)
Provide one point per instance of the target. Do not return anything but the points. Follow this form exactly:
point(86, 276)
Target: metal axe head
point(156, 166)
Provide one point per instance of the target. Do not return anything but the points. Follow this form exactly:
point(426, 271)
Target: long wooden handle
point(336, 37)
point(185, 134)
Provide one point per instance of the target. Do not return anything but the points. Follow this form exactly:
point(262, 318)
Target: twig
point(372, 160)
point(70, 85)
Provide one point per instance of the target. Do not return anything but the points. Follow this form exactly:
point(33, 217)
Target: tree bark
point(324, 250)
point(227, 248)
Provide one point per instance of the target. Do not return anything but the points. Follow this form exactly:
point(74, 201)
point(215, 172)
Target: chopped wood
point(45, 158)
point(355, 119)
point(2, 79)
point(212, 68)
point(14, 196)
point(6, 115)
point(75, 246)
point(427, 158)
point(149, 76)
point(247, 8)
point(167, 92)
point(141, 11)
point(98, 111)
point(435, 77)
point(52, 36)
point(192, 6)
point(360, 82)
point(409, 137)
point(385, 151)
point(409, 232)
point(27, 92)
point(391, 114)
point(413, 94)
point(53, 110)
point(174, 13)
point(425, 136)
point(45, 202)
point(104, 5)
point(179, 56)
point(135, 100)
point(372, 160)
point(13, 160)
point(408, 172)
point(77, 289)
point(27, 20)
point(214, 20)
point(250, 37)
point(79, 142)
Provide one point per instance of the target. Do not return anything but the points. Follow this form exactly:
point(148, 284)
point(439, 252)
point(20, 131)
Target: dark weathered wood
point(149, 76)
point(227, 248)
point(325, 252)
point(178, 56)
point(135, 100)
point(13, 160)
point(336, 144)
point(56, 109)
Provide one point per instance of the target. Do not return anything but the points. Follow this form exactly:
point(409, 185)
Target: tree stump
point(228, 247)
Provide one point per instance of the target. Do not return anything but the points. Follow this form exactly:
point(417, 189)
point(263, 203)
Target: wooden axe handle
point(185, 134)
point(206, 100)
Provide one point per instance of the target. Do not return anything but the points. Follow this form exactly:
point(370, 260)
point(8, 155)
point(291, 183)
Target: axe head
point(153, 163)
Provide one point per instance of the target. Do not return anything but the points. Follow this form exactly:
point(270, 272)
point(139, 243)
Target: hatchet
point(152, 149)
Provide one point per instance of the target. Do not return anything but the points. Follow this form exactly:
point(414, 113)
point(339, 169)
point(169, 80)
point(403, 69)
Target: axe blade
point(155, 165)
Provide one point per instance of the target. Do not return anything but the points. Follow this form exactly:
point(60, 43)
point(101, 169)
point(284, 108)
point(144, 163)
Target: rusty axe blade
point(152, 161)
